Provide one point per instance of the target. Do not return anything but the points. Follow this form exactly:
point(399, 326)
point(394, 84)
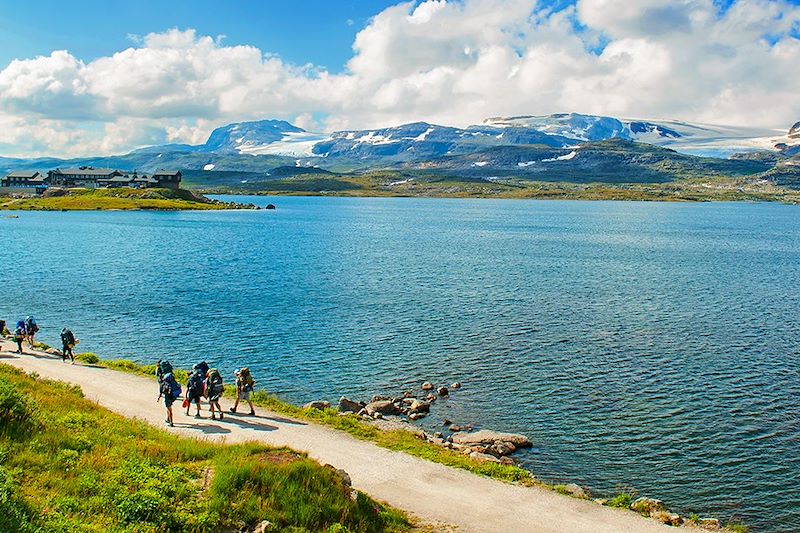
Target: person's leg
point(219, 409)
point(252, 409)
point(235, 404)
point(19, 346)
point(64, 353)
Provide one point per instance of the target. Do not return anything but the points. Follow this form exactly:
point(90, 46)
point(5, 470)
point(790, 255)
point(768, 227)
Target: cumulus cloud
point(445, 61)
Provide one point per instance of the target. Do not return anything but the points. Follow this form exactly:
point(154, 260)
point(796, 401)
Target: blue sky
point(91, 77)
point(315, 31)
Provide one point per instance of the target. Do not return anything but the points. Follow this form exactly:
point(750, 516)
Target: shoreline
point(415, 442)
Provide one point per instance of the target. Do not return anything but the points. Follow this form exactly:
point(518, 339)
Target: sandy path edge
point(435, 493)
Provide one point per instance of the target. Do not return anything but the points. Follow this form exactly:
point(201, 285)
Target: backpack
point(202, 366)
point(165, 367)
point(195, 384)
point(19, 334)
point(246, 379)
point(170, 386)
point(214, 382)
point(30, 325)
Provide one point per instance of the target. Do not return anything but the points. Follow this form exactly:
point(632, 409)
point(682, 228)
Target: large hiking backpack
point(170, 384)
point(195, 384)
point(202, 366)
point(246, 379)
point(214, 382)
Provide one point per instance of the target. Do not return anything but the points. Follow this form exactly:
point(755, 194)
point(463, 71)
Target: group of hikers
point(203, 382)
point(26, 330)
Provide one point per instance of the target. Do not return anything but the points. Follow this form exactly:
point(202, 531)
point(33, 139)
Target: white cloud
point(453, 62)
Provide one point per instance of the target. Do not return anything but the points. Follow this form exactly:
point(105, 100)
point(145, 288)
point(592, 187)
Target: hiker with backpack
point(168, 388)
point(19, 335)
point(30, 329)
point(213, 390)
point(244, 386)
point(194, 389)
point(68, 342)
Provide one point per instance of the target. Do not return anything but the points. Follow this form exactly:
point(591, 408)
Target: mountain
point(537, 147)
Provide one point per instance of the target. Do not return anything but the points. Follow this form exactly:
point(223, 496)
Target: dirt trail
point(435, 493)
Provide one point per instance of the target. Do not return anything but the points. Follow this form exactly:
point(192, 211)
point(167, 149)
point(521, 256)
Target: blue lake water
point(644, 345)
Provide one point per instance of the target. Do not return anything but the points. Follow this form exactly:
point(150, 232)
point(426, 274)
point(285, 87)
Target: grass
point(112, 199)
point(442, 185)
point(68, 465)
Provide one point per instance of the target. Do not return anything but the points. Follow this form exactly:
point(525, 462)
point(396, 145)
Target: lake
point(644, 345)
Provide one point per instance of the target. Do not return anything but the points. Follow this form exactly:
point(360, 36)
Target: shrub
point(16, 411)
point(15, 514)
point(622, 500)
point(88, 357)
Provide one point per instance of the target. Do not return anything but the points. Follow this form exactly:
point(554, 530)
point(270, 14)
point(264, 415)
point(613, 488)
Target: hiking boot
point(220, 415)
point(197, 415)
point(233, 410)
point(213, 417)
point(252, 413)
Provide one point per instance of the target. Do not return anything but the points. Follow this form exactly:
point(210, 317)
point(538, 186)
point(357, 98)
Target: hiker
point(30, 329)
point(213, 390)
point(3, 330)
point(169, 389)
point(67, 343)
point(162, 368)
point(19, 335)
point(194, 389)
point(244, 386)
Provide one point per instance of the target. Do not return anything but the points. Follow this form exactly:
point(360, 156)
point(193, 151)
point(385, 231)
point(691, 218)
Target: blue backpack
point(171, 385)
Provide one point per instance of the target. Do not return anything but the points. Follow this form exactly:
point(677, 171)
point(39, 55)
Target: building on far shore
point(82, 177)
point(24, 181)
point(88, 178)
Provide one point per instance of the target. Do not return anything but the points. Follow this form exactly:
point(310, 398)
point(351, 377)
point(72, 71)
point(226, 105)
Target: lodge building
point(89, 178)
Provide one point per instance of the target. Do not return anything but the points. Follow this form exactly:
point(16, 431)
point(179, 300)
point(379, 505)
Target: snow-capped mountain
point(690, 138)
point(245, 136)
point(420, 140)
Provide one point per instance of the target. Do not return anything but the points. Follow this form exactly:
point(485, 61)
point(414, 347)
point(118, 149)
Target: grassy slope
point(68, 465)
point(103, 199)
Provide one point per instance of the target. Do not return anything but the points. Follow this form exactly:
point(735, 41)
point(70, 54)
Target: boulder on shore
point(384, 407)
point(418, 406)
point(576, 490)
point(442, 391)
point(647, 505)
point(484, 457)
point(346, 405)
point(488, 437)
point(317, 404)
point(427, 386)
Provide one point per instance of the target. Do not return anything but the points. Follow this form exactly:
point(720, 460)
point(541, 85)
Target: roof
point(167, 173)
point(87, 171)
point(23, 174)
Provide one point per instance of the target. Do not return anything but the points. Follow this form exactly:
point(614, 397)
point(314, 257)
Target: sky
point(91, 78)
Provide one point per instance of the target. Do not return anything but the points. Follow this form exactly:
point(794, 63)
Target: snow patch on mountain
point(292, 144)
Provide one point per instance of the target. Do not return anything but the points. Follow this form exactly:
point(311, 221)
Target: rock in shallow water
point(427, 386)
point(384, 407)
point(489, 437)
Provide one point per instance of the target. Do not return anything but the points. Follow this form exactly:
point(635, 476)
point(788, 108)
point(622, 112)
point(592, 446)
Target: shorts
point(244, 395)
point(169, 399)
point(194, 398)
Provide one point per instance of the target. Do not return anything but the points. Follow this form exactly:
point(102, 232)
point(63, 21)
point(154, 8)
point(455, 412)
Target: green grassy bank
point(112, 199)
point(67, 465)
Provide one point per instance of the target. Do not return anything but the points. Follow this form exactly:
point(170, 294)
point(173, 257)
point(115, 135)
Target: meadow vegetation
point(68, 465)
point(111, 199)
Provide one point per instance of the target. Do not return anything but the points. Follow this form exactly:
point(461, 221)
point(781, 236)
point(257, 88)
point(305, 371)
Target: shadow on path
point(246, 424)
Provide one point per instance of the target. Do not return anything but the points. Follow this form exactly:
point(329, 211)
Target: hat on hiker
point(237, 372)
